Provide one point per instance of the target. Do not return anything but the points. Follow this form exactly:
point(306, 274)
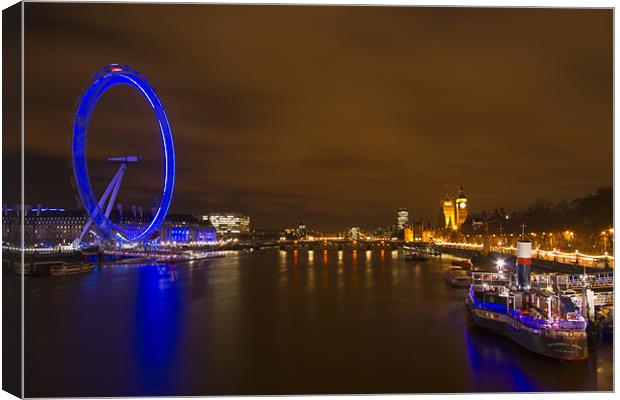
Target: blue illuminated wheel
point(103, 80)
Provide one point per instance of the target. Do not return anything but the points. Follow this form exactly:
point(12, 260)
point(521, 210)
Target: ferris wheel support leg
point(114, 184)
point(117, 185)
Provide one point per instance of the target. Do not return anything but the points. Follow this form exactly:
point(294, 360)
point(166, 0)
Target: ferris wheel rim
point(103, 80)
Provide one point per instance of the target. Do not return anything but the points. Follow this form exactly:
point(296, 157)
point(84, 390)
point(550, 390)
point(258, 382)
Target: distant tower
point(402, 218)
point(447, 208)
point(301, 230)
point(461, 207)
point(408, 233)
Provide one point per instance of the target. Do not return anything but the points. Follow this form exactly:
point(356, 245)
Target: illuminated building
point(461, 208)
point(402, 218)
point(42, 226)
point(131, 222)
point(428, 235)
point(454, 210)
point(301, 230)
point(205, 234)
point(50, 227)
point(354, 233)
point(185, 228)
point(448, 212)
point(408, 233)
point(228, 223)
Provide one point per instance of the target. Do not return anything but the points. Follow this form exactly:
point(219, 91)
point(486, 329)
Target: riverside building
point(228, 223)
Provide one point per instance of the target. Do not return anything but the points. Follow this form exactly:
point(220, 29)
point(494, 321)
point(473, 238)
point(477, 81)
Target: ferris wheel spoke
point(113, 186)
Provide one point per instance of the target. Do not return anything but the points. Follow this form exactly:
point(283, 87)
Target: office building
point(402, 218)
point(228, 223)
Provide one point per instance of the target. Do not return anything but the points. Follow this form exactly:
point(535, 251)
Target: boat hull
point(455, 283)
point(567, 348)
point(71, 269)
point(415, 258)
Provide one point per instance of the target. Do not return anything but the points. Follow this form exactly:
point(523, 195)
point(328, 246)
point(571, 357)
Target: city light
point(315, 236)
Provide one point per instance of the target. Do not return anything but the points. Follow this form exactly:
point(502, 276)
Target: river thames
point(276, 322)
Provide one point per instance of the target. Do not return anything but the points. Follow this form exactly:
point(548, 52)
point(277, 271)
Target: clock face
point(462, 205)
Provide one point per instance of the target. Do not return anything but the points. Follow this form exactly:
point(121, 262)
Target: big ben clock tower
point(461, 207)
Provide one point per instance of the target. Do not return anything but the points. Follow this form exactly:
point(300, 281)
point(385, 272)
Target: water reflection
point(497, 362)
point(324, 279)
point(256, 323)
point(310, 280)
point(157, 322)
point(167, 275)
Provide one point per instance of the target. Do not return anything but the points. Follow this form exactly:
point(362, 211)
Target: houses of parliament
point(453, 210)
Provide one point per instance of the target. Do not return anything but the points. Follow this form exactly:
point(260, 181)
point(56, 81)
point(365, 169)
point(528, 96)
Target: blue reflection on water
point(473, 354)
point(494, 357)
point(158, 306)
point(521, 380)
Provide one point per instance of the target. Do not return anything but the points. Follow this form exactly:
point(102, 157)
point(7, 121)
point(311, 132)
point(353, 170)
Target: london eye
point(99, 209)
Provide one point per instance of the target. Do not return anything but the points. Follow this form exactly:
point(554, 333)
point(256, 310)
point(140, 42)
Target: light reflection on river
point(294, 322)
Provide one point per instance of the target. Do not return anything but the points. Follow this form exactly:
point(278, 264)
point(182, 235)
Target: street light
point(500, 264)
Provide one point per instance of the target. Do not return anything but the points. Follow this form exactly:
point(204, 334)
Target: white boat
point(458, 277)
point(416, 255)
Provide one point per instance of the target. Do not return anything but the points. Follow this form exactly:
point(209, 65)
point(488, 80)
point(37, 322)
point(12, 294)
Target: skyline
point(474, 216)
point(432, 97)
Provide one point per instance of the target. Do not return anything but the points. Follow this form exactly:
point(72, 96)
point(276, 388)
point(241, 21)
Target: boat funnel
point(524, 264)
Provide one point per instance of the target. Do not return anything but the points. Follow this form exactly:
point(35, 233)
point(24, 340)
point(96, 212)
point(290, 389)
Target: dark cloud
point(331, 115)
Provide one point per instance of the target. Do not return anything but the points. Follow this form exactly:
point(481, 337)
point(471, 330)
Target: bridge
point(576, 258)
point(541, 261)
point(333, 242)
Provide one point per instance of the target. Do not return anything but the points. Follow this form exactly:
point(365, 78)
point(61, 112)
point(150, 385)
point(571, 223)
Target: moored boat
point(458, 277)
point(416, 255)
point(70, 268)
point(464, 264)
point(535, 317)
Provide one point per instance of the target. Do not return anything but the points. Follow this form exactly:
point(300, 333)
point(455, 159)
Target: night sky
point(335, 116)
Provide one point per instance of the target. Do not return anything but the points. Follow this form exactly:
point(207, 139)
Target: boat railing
point(577, 322)
point(490, 279)
point(541, 281)
point(600, 280)
point(552, 324)
point(600, 299)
